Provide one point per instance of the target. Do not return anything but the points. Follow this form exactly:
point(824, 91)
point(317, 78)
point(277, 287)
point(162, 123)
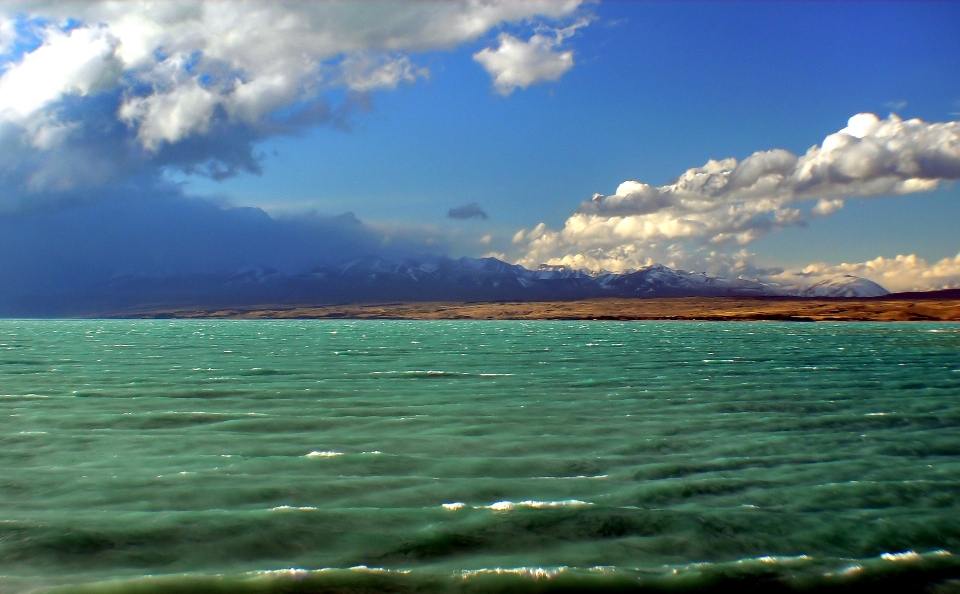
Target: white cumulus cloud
point(732, 203)
point(210, 77)
point(80, 62)
point(8, 33)
point(826, 206)
point(363, 72)
point(517, 63)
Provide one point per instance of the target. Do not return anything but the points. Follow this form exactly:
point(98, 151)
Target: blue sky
point(649, 91)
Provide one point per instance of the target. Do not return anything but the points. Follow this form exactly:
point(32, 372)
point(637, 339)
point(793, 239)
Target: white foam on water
point(528, 572)
point(777, 560)
point(366, 569)
point(293, 572)
point(454, 506)
point(604, 569)
point(509, 505)
point(904, 556)
point(292, 508)
point(317, 454)
point(553, 504)
point(570, 478)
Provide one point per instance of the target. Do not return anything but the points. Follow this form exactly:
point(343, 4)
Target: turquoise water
point(274, 456)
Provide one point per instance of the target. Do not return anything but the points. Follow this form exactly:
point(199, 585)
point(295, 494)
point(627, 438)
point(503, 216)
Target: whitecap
point(454, 506)
point(553, 504)
point(509, 505)
point(431, 372)
point(569, 478)
point(316, 454)
point(366, 569)
point(603, 568)
point(291, 508)
point(293, 572)
point(528, 572)
point(773, 560)
point(904, 556)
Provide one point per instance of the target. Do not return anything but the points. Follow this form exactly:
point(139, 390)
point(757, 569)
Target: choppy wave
point(502, 506)
point(514, 458)
point(906, 571)
point(505, 506)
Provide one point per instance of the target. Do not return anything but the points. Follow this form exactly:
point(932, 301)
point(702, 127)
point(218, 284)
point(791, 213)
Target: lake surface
point(299, 456)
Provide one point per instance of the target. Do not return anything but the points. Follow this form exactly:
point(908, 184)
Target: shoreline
point(675, 308)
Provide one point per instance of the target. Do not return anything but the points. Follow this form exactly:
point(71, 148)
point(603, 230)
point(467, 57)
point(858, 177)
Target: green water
point(606, 454)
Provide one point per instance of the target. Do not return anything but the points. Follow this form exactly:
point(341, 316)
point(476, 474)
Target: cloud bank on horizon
point(706, 217)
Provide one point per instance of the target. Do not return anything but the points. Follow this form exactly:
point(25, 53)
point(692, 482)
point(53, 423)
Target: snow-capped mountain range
point(374, 279)
point(378, 280)
point(844, 285)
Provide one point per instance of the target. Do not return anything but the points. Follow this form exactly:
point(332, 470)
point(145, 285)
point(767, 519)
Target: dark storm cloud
point(56, 257)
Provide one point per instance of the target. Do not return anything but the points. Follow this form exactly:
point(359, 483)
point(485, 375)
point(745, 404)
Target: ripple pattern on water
point(162, 447)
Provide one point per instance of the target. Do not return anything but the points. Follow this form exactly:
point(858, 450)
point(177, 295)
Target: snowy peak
point(563, 282)
point(437, 278)
point(661, 281)
point(844, 285)
point(548, 272)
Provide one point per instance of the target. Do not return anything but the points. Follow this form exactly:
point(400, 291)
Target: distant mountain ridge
point(378, 280)
point(374, 279)
point(845, 285)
